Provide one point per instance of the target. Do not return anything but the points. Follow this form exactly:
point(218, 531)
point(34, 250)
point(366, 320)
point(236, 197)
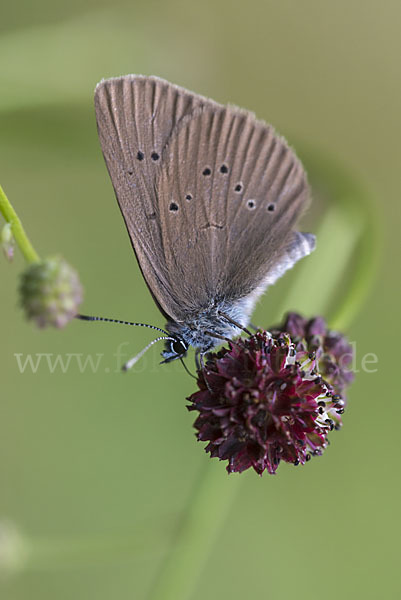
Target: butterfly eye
point(178, 347)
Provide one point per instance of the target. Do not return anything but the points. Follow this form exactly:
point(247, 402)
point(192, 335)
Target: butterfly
point(210, 197)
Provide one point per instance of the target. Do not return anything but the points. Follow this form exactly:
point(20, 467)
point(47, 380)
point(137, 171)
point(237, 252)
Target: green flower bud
point(50, 292)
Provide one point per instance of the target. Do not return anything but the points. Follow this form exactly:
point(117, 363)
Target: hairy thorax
point(197, 329)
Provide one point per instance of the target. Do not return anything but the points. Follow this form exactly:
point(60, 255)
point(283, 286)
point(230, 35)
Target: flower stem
point(364, 272)
point(348, 196)
point(208, 507)
point(17, 229)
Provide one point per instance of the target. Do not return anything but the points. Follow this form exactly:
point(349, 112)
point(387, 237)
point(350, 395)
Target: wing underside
point(210, 196)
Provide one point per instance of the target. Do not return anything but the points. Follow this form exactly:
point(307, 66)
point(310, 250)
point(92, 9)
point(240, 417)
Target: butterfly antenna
point(131, 362)
point(89, 318)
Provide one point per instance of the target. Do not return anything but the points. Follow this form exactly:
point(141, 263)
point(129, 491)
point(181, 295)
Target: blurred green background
point(98, 469)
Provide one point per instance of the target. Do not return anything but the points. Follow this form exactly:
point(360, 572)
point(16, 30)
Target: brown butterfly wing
point(230, 192)
point(196, 183)
point(135, 117)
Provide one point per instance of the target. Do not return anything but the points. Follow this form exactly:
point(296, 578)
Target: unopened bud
point(50, 292)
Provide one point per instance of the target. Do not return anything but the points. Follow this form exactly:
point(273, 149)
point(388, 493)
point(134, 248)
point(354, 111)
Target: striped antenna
point(130, 363)
point(89, 318)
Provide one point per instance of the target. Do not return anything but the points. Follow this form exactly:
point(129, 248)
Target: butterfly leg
point(203, 369)
point(202, 361)
point(197, 360)
point(230, 320)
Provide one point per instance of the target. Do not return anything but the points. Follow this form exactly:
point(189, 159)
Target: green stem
point(17, 229)
point(208, 507)
point(364, 274)
point(357, 207)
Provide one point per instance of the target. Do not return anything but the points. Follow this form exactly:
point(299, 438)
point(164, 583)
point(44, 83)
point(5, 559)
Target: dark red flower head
point(272, 397)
